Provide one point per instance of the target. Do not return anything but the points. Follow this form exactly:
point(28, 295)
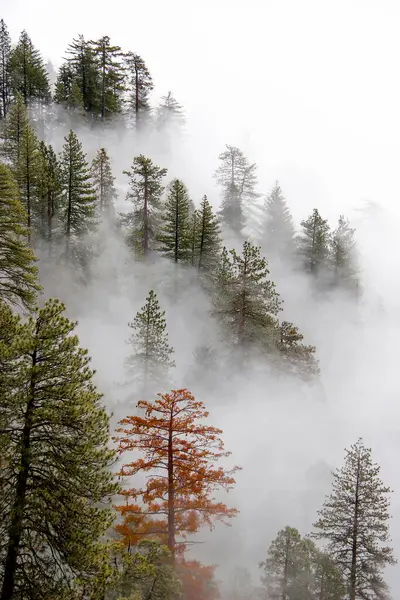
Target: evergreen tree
point(28, 175)
point(140, 84)
point(15, 124)
point(151, 358)
point(287, 566)
point(145, 193)
point(327, 580)
point(246, 301)
point(85, 83)
point(111, 76)
point(175, 230)
point(28, 75)
point(67, 90)
point(278, 233)
point(343, 257)
point(5, 54)
point(52, 428)
point(313, 244)
point(297, 357)
point(18, 274)
point(103, 181)
point(78, 198)
point(354, 522)
point(50, 189)
point(169, 113)
point(207, 237)
point(238, 179)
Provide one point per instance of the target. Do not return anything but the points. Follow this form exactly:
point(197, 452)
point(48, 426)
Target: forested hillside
point(113, 474)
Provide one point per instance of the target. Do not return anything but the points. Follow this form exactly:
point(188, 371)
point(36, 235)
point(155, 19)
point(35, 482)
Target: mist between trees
point(95, 509)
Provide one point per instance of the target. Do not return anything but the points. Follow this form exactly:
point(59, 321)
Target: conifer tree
point(15, 124)
point(111, 76)
point(50, 189)
point(207, 238)
point(52, 428)
point(103, 181)
point(67, 89)
point(175, 229)
point(246, 301)
point(140, 84)
point(278, 233)
point(169, 113)
point(151, 356)
point(18, 274)
point(5, 54)
point(78, 198)
point(298, 358)
point(28, 75)
point(145, 192)
point(238, 179)
point(85, 83)
point(28, 175)
point(343, 257)
point(313, 244)
point(354, 522)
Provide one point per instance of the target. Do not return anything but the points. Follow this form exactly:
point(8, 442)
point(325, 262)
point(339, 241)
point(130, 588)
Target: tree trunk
point(354, 549)
point(171, 493)
point(16, 527)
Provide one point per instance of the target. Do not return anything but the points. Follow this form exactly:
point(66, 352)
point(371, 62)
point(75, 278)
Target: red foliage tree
point(198, 581)
point(180, 454)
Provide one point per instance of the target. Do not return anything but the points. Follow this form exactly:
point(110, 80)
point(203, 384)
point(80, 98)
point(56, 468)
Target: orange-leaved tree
point(180, 454)
point(198, 581)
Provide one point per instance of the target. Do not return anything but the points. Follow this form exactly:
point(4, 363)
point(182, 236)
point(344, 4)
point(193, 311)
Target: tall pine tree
point(15, 124)
point(354, 522)
point(103, 181)
point(238, 179)
point(78, 199)
point(29, 174)
point(207, 238)
point(52, 428)
point(5, 54)
point(145, 179)
point(50, 190)
point(18, 273)
point(313, 244)
point(85, 82)
point(175, 229)
point(151, 356)
point(278, 233)
point(139, 84)
point(343, 257)
point(108, 58)
point(28, 75)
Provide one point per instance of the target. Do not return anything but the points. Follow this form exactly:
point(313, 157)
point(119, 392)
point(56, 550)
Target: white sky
point(310, 89)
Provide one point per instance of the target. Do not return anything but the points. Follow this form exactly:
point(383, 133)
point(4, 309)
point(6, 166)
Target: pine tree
point(18, 274)
point(246, 300)
point(67, 90)
point(28, 75)
point(140, 84)
point(286, 566)
point(278, 233)
point(354, 522)
point(103, 181)
point(111, 76)
point(5, 54)
point(169, 113)
point(50, 189)
point(343, 257)
point(313, 244)
point(151, 358)
point(78, 198)
point(207, 236)
point(53, 428)
point(15, 124)
point(29, 174)
point(145, 193)
point(174, 236)
point(327, 580)
point(85, 83)
point(238, 179)
point(298, 358)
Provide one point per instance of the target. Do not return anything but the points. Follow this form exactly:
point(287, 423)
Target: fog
point(307, 91)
